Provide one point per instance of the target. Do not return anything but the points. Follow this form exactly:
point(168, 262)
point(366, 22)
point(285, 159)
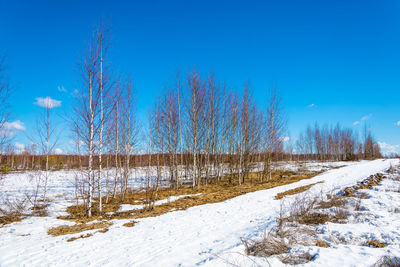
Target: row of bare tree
point(223, 131)
point(336, 143)
point(193, 128)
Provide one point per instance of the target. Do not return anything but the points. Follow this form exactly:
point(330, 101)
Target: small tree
point(46, 132)
point(85, 116)
point(5, 92)
point(275, 127)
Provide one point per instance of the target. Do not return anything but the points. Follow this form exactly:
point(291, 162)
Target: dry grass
point(130, 224)
point(295, 259)
point(79, 237)
point(12, 211)
point(321, 243)
point(266, 247)
point(77, 228)
point(307, 211)
point(332, 201)
point(295, 191)
point(40, 210)
point(10, 218)
point(210, 193)
point(213, 192)
point(279, 241)
point(375, 244)
point(368, 183)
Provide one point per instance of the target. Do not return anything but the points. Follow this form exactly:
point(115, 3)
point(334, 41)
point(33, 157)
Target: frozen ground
point(201, 235)
point(62, 184)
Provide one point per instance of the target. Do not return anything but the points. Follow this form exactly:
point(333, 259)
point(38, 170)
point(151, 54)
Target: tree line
point(336, 143)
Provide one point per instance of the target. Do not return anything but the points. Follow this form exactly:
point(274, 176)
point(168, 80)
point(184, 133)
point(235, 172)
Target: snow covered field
point(61, 184)
point(201, 235)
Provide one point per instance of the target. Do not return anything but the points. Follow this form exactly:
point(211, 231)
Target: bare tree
point(195, 109)
point(211, 119)
point(179, 89)
point(129, 130)
point(275, 127)
point(101, 45)
point(5, 92)
point(157, 143)
point(116, 136)
point(85, 114)
point(46, 132)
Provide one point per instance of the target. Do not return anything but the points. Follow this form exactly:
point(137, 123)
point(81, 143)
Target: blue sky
point(333, 61)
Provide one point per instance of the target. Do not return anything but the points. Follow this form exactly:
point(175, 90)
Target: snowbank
point(187, 238)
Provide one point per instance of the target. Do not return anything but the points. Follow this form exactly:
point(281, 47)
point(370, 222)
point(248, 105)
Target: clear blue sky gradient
point(341, 56)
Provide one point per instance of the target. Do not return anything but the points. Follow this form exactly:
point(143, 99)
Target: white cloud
point(58, 151)
point(363, 118)
point(387, 149)
point(19, 146)
point(61, 89)
point(397, 123)
point(15, 125)
point(311, 106)
point(9, 129)
point(285, 139)
point(366, 117)
point(47, 102)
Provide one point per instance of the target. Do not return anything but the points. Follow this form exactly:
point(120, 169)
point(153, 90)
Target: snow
point(205, 234)
point(62, 191)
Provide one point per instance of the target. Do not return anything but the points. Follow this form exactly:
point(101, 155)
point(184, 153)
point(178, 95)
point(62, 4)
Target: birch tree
point(46, 132)
point(275, 127)
point(195, 108)
point(5, 92)
point(85, 111)
point(129, 130)
point(101, 47)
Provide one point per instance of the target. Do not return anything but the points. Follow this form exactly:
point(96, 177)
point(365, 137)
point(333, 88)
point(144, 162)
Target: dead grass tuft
point(361, 195)
point(72, 229)
point(40, 211)
point(10, 218)
point(295, 191)
point(79, 237)
point(368, 183)
point(266, 247)
point(321, 243)
point(374, 244)
point(130, 224)
point(304, 210)
point(12, 211)
point(296, 259)
point(332, 201)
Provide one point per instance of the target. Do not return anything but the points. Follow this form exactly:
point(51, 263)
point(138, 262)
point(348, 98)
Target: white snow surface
point(61, 184)
point(201, 235)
